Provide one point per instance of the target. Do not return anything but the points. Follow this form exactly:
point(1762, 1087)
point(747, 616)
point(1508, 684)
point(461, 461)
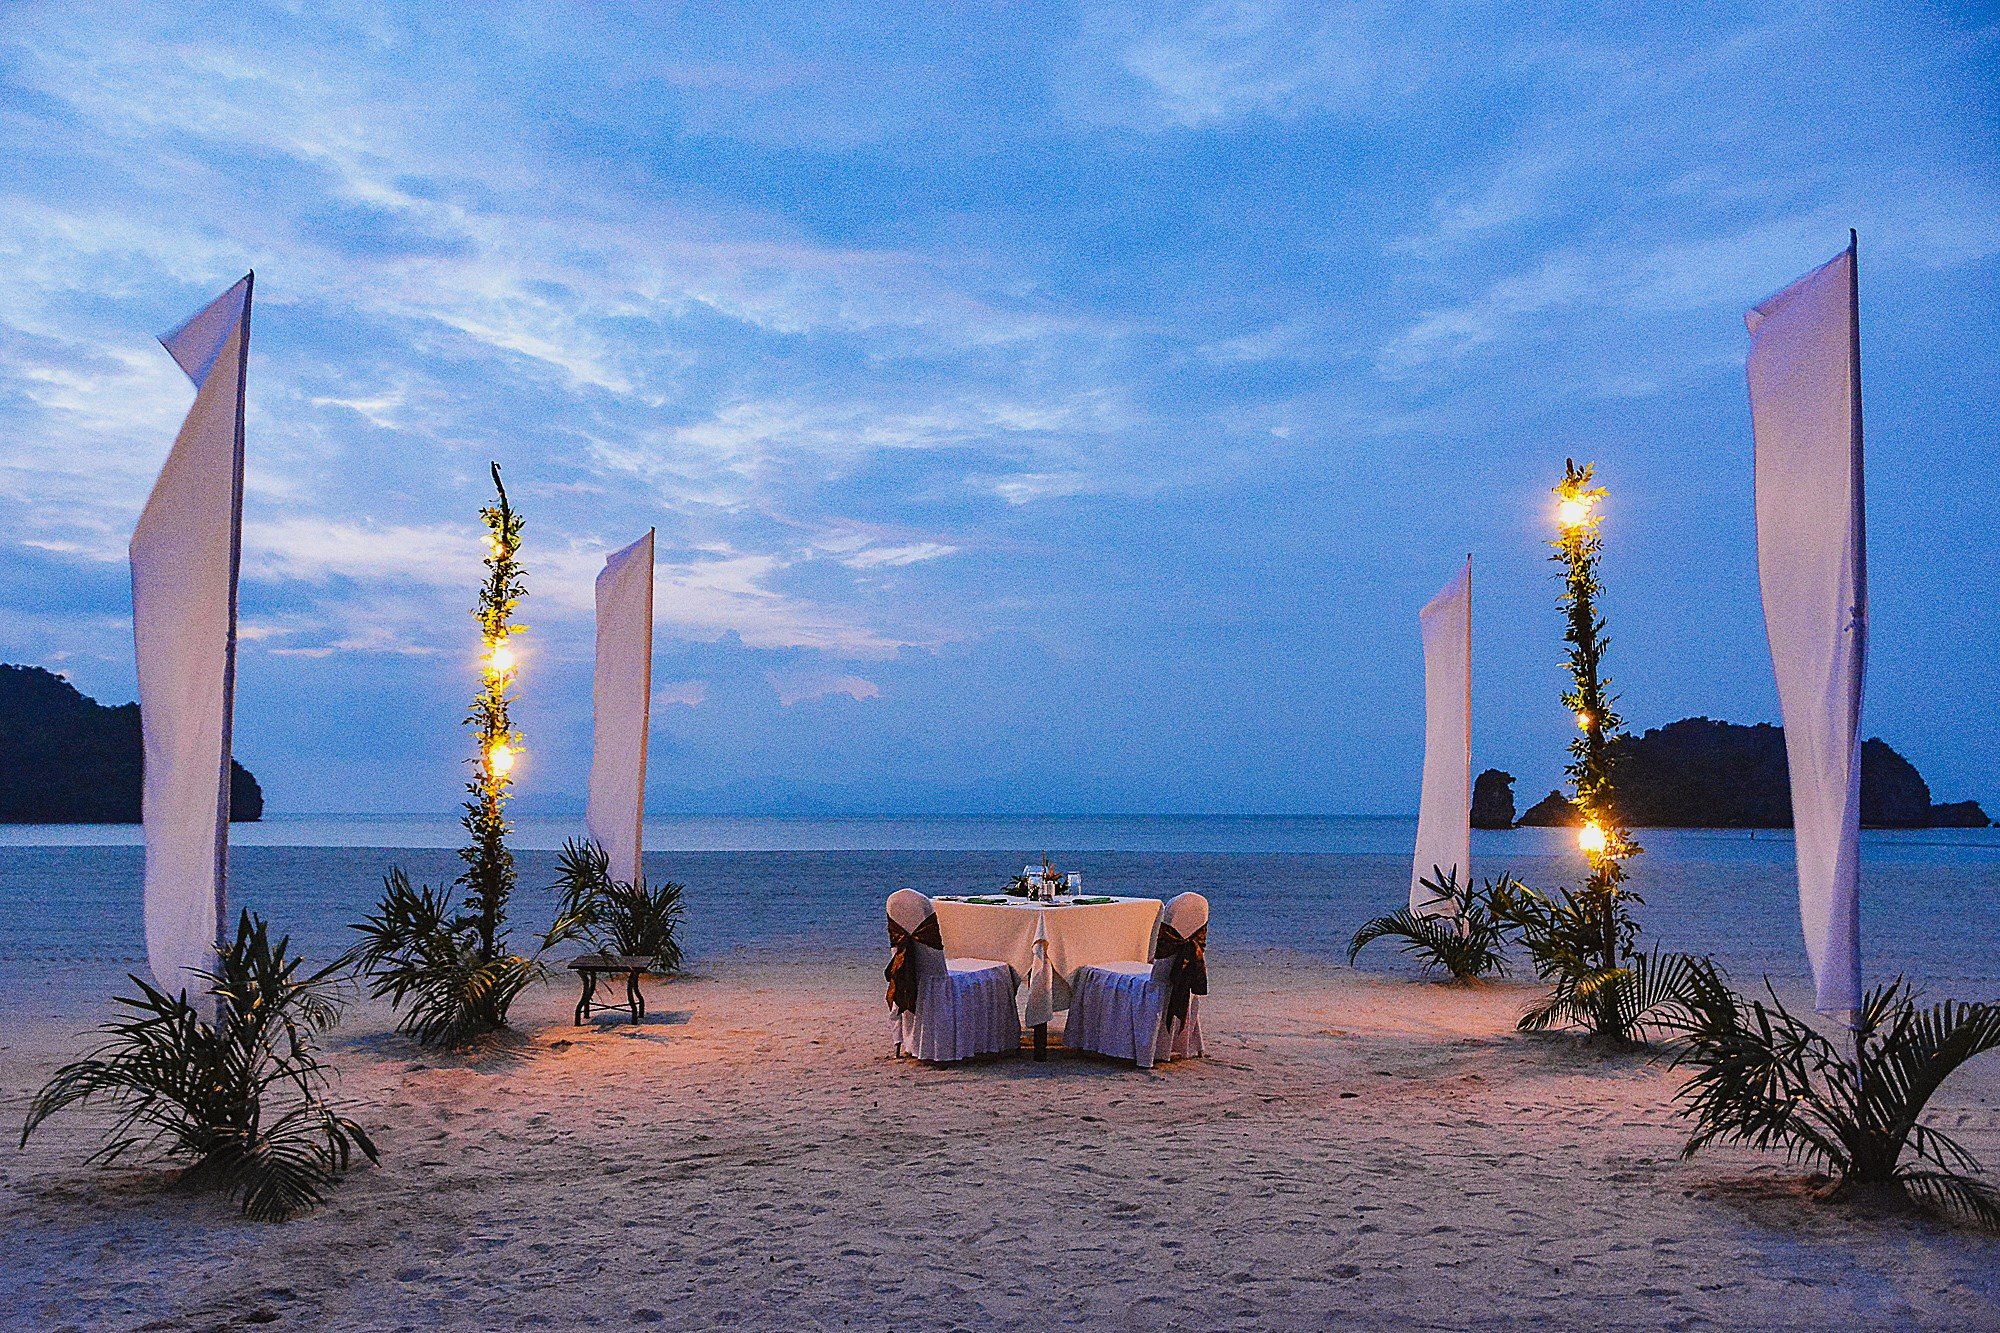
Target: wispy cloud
point(1727, 270)
point(686, 693)
point(1190, 66)
point(732, 594)
point(909, 553)
point(803, 687)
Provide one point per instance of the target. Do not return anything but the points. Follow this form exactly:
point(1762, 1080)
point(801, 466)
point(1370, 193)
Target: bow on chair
point(1189, 973)
point(902, 969)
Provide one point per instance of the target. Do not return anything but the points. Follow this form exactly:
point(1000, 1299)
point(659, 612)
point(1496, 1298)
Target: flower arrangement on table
point(1045, 883)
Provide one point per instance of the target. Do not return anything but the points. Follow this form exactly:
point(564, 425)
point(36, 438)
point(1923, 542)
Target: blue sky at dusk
point(1042, 408)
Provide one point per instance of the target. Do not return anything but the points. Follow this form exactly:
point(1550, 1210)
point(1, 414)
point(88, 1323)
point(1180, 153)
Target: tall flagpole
point(1805, 348)
point(187, 554)
point(621, 708)
point(1465, 926)
point(645, 725)
point(229, 652)
point(1858, 517)
point(1444, 809)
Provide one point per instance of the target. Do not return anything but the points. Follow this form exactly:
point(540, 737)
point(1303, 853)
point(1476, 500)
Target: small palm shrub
point(1464, 939)
point(429, 960)
point(639, 920)
point(238, 1099)
point(1766, 1077)
point(1564, 936)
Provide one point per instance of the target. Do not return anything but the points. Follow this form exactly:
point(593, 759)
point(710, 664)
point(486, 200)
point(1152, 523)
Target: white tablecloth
point(1047, 942)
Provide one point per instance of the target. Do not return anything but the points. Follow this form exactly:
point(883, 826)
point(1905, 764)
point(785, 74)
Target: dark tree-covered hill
point(67, 759)
point(1700, 773)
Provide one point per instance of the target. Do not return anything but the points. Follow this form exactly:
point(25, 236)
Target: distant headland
point(67, 759)
point(1700, 773)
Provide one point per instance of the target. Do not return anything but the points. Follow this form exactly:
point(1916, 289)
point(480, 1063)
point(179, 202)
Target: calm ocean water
point(69, 896)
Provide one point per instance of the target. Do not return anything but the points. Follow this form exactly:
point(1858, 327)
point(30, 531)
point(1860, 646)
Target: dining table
point(1047, 940)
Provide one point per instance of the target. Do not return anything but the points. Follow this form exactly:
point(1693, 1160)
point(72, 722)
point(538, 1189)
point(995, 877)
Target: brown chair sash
point(902, 969)
point(1189, 973)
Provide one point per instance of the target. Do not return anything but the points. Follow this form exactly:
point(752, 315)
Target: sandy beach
point(1358, 1151)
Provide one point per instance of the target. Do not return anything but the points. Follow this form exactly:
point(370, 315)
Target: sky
point(1043, 408)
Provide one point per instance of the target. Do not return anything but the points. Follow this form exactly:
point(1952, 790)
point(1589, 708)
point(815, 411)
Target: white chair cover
point(965, 1006)
point(1120, 1009)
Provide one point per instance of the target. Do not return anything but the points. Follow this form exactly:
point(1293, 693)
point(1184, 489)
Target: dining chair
point(945, 1009)
point(1143, 1011)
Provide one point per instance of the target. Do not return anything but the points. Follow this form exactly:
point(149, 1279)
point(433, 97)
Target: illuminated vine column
point(489, 873)
point(1603, 839)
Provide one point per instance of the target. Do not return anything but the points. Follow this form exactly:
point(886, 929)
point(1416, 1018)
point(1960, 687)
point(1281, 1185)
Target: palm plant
point(1456, 930)
point(239, 1099)
point(1564, 938)
point(427, 960)
point(639, 920)
point(1768, 1078)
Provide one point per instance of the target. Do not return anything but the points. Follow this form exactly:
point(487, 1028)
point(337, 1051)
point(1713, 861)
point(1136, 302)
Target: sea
point(70, 903)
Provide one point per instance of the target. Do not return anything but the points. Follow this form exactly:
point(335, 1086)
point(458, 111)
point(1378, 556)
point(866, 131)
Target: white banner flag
point(185, 554)
point(1805, 410)
point(1444, 816)
point(622, 702)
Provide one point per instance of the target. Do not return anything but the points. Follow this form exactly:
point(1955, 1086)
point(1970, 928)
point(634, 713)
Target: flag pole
point(1858, 518)
point(223, 796)
point(645, 725)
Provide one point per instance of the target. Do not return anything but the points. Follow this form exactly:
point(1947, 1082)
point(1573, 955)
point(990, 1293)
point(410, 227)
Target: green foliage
point(1770, 1079)
point(1563, 936)
point(639, 920)
point(1593, 756)
point(238, 1099)
point(428, 961)
point(489, 877)
point(454, 969)
point(1585, 941)
point(1463, 939)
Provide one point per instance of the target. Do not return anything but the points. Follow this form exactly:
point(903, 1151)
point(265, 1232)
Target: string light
point(1582, 721)
point(501, 660)
point(1573, 510)
point(1592, 840)
point(500, 759)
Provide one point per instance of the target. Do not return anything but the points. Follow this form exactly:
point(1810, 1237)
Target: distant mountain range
point(67, 759)
point(1700, 773)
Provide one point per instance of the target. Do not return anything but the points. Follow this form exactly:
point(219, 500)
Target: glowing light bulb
point(501, 660)
point(1573, 511)
point(1583, 721)
point(500, 759)
point(1592, 840)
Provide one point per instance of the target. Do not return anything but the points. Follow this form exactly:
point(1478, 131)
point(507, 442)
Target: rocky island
point(1700, 773)
point(67, 759)
point(1493, 800)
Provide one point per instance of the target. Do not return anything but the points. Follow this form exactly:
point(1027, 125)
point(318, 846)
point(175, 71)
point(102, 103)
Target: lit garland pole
point(489, 875)
point(1603, 839)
